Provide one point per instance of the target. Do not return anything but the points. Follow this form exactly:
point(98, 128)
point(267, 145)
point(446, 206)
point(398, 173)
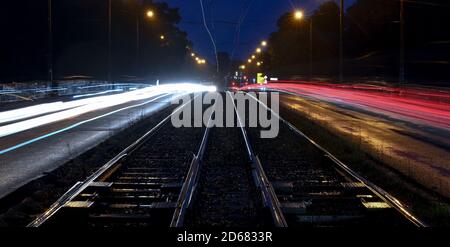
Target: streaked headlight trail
point(63, 110)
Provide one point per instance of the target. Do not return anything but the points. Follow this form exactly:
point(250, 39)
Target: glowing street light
point(258, 50)
point(264, 43)
point(242, 67)
point(192, 54)
point(150, 14)
point(298, 15)
point(258, 64)
point(253, 56)
point(201, 61)
point(249, 60)
point(162, 37)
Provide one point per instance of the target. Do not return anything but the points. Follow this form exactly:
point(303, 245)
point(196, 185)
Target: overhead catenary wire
point(244, 13)
point(210, 35)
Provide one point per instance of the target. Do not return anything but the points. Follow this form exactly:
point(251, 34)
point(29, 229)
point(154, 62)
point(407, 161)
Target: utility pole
point(50, 43)
point(137, 42)
point(301, 68)
point(402, 43)
point(138, 34)
point(311, 49)
point(109, 39)
point(341, 41)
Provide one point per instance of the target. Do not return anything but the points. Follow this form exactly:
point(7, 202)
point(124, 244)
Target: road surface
point(39, 140)
point(408, 129)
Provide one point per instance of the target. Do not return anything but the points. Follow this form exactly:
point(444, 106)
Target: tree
point(371, 40)
point(80, 39)
point(289, 45)
point(326, 31)
point(372, 25)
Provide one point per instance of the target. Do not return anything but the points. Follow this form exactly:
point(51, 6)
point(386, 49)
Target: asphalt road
point(28, 154)
point(406, 128)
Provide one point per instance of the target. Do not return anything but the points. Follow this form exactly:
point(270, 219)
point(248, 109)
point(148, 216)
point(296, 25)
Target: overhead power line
point(210, 35)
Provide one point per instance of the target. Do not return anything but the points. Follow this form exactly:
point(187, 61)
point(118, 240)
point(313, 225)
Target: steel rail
point(385, 196)
point(191, 181)
point(79, 187)
point(270, 198)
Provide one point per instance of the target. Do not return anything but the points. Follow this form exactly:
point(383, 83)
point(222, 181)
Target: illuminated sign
point(260, 78)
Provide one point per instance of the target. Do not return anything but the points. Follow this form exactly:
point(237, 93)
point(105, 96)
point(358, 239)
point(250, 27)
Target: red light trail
point(422, 105)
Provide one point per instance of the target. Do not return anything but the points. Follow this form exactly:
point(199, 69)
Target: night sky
point(221, 16)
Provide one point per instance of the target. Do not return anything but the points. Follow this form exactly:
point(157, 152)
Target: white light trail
point(99, 93)
point(63, 110)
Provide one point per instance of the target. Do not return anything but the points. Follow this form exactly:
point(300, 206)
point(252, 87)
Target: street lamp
point(341, 40)
point(253, 56)
point(249, 60)
point(402, 42)
point(162, 37)
point(258, 50)
point(264, 43)
point(150, 14)
point(50, 43)
point(192, 54)
point(109, 39)
point(298, 15)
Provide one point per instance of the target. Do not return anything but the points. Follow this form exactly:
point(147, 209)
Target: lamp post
point(402, 43)
point(137, 41)
point(310, 49)
point(341, 41)
point(109, 39)
point(150, 15)
point(50, 42)
point(298, 15)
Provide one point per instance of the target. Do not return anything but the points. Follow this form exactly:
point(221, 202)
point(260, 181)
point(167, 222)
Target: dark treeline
point(371, 41)
point(80, 40)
